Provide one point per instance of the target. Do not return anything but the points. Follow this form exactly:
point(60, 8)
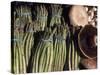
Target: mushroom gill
point(87, 41)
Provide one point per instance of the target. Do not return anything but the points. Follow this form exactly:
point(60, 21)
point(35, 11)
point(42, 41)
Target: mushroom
point(89, 63)
point(78, 16)
point(87, 41)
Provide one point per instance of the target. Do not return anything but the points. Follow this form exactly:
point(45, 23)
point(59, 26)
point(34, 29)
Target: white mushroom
point(86, 8)
point(78, 16)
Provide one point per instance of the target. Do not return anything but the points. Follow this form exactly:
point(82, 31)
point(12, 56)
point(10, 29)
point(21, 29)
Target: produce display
point(52, 37)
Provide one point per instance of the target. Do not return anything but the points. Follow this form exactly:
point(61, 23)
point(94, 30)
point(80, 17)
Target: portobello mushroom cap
point(87, 41)
point(89, 63)
point(78, 16)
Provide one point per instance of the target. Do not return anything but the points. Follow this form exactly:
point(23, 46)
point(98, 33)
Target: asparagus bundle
point(73, 54)
point(23, 39)
point(24, 13)
point(28, 42)
point(19, 65)
point(73, 57)
point(41, 17)
point(43, 58)
point(55, 12)
point(60, 48)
